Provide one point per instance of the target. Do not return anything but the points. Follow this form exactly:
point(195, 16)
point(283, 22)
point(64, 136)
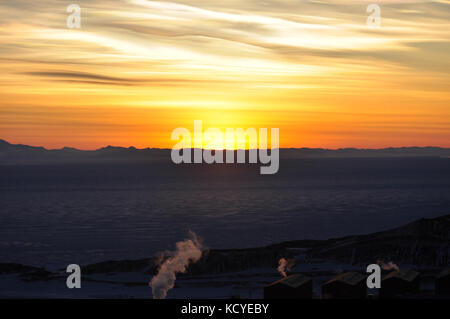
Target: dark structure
point(400, 283)
point(295, 286)
point(442, 284)
point(348, 285)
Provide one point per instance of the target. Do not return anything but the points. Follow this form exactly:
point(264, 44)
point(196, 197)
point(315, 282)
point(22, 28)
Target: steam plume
point(389, 266)
point(187, 251)
point(285, 265)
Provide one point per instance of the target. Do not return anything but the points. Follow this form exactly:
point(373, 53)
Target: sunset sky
point(138, 69)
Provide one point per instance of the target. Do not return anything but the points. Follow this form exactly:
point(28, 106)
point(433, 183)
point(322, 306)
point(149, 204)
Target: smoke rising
point(389, 266)
point(285, 265)
point(186, 252)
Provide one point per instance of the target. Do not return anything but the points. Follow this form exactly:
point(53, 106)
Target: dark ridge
point(11, 154)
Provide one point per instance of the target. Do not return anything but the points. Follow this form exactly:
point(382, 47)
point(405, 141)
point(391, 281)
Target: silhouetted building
point(400, 283)
point(442, 284)
point(348, 285)
point(295, 286)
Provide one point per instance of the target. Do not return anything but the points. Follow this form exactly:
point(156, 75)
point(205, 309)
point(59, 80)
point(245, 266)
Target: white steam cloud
point(186, 252)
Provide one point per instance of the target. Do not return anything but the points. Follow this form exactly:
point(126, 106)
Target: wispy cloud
point(295, 54)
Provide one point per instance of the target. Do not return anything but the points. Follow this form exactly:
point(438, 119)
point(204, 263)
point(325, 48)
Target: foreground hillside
point(422, 245)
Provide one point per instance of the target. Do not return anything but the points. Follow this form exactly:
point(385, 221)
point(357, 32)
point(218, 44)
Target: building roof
point(350, 278)
point(444, 273)
point(403, 274)
point(292, 281)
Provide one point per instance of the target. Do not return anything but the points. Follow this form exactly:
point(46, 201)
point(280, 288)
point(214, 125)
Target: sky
point(138, 69)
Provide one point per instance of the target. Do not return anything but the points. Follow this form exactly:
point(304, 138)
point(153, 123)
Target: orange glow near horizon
point(138, 69)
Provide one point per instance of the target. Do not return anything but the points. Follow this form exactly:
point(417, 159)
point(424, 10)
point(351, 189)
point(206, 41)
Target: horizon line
point(235, 149)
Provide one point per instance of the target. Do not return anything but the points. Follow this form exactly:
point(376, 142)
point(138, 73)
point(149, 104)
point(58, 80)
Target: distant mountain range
point(25, 154)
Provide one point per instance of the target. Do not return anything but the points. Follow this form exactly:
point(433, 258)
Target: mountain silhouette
point(26, 154)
